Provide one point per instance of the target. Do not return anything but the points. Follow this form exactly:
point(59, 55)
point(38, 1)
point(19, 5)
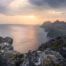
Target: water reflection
point(25, 38)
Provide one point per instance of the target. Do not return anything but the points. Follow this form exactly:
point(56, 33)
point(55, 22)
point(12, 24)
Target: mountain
point(55, 29)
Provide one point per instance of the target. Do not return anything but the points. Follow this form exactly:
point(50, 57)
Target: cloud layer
point(4, 5)
point(12, 6)
point(29, 6)
point(49, 3)
point(36, 10)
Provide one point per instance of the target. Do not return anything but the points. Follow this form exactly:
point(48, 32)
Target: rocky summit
point(51, 53)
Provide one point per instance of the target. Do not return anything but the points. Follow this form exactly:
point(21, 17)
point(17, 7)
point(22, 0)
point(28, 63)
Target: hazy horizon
point(25, 38)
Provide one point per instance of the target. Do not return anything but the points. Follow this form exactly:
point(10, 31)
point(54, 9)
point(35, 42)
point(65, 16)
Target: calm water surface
point(25, 37)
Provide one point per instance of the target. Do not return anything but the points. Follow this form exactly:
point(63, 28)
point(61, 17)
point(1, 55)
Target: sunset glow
point(30, 11)
point(31, 17)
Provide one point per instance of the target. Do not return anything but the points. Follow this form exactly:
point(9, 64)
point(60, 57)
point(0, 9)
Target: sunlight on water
point(25, 37)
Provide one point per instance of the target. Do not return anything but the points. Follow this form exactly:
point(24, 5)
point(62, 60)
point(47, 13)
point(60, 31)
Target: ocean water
point(25, 37)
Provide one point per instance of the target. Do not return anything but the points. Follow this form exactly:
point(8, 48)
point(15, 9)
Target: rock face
point(8, 40)
point(57, 45)
point(55, 29)
point(52, 53)
point(8, 56)
point(32, 59)
point(52, 58)
point(54, 44)
point(43, 58)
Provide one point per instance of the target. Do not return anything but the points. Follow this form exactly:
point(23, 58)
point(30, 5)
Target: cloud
point(37, 2)
point(56, 3)
point(25, 7)
point(2, 9)
point(13, 7)
point(4, 6)
point(49, 3)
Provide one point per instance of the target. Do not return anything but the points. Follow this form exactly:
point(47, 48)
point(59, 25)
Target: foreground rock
point(58, 44)
point(52, 58)
point(8, 56)
point(52, 53)
point(43, 58)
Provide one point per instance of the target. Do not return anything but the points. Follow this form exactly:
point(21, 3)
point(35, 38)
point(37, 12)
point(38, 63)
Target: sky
point(31, 11)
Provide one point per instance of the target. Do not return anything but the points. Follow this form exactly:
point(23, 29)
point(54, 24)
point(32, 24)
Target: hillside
point(55, 29)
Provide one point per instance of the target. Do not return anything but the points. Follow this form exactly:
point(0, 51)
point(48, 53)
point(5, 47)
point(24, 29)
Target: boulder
point(52, 58)
point(8, 40)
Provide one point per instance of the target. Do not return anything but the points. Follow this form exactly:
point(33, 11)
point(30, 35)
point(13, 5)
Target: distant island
point(55, 29)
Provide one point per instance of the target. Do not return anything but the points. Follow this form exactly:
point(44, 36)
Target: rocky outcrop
point(54, 44)
point(52, 58)
point(43, 58)
point(55, 29)
point(57, 45)
point(8, 56)
point(52, 53)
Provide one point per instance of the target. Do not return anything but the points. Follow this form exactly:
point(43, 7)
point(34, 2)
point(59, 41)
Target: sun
point(31, 17)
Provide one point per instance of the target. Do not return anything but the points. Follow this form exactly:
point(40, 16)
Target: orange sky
point(23, 12)
point(26, 19)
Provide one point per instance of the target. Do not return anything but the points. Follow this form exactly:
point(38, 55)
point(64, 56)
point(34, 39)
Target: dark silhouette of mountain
point(55, 29)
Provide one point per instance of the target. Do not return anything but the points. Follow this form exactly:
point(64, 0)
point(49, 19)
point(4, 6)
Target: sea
point(25, 37)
